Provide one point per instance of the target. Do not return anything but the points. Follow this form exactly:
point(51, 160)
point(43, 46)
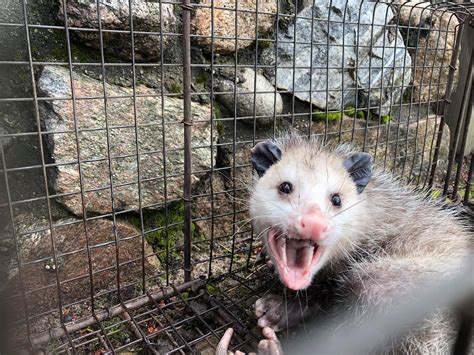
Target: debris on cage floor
point(190, 318)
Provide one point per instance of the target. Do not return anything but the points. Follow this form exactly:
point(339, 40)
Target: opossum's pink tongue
point(294, 258)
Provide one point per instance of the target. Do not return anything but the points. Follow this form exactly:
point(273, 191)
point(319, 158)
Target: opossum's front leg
point(277, 313)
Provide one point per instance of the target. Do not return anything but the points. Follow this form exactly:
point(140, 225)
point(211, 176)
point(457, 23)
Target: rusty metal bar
point(188, 125)
point(457, 106)
point(114, 311)
point(467, 121)
point(447, 98)
point(469, 181)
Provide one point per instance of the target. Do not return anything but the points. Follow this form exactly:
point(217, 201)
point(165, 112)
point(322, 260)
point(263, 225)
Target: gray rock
point(115, 15)
point(57, 115)
point(266, 102)
point(332, 55)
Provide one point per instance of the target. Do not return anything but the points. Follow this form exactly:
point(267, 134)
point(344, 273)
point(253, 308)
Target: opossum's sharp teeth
point(295, 258)
point(282, 246)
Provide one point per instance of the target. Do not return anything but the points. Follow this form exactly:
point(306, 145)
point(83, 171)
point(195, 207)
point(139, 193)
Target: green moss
point(462, 191)
point(118, 332)
point(201, 78)
point(220, 129)
point(59, 53)
point(382, 119)
point(79, 53)
point(174, 87)
point(217, 110)
point(385, 119)
point(185, 295)
point(211, 289)
point(407, 95)
point(326, 116)
point(264, 44)
point(436, 193)
point(156, 233)
point(352, 112)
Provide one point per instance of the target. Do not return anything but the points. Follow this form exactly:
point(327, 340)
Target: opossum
point(352, 237)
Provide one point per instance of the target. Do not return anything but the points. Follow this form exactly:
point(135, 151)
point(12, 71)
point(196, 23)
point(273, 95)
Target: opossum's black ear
point(264, 155)
point(359, 166)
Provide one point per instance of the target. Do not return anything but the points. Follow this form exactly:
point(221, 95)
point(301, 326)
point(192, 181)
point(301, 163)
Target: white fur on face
point(314, 182)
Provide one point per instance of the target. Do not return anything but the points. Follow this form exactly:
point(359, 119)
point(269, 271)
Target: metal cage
point(147, 246)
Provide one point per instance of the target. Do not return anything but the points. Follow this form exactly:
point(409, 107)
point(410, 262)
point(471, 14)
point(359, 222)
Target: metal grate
point(79, 275)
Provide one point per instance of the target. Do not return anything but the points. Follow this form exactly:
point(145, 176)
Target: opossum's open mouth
point(295, 258)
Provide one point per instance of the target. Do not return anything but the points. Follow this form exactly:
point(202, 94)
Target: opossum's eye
point(285, 187)
point(336, 200)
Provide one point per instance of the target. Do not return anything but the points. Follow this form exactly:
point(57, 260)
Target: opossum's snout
point(297, 251)
point(312, 225)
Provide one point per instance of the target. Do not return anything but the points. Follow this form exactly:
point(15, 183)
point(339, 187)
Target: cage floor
point(189, 319)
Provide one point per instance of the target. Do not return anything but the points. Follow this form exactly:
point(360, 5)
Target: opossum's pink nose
point(312, 225)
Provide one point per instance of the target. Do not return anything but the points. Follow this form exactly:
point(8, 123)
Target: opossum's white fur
point(390, 240)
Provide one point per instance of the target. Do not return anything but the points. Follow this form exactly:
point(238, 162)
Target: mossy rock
point(265, 43)
point(332, 116)
point(174, 87)
point(381, 119)
point(156, 233)
point(201, 78)
point(79, 53)
point(350, 111)
point(407, 95)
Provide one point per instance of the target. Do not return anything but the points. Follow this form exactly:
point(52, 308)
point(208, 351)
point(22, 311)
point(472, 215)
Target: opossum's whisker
point(277, 281)
point(273, 204)
point(306, 297)
point(351, 206)
point(302, 313)
point(239, 228)
point(349, 227)
point(250, 219)
point(266, 229)
point(286, 314)
point(299, 181)
point(327, 170)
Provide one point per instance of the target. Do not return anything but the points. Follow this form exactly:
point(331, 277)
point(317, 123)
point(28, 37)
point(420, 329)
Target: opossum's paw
point(271, 312)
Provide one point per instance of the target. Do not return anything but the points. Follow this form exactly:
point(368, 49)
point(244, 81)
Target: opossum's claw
point(269, 311)
point(274, 312)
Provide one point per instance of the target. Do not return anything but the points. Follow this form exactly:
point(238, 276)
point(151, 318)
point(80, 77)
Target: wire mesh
point(97, 216)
